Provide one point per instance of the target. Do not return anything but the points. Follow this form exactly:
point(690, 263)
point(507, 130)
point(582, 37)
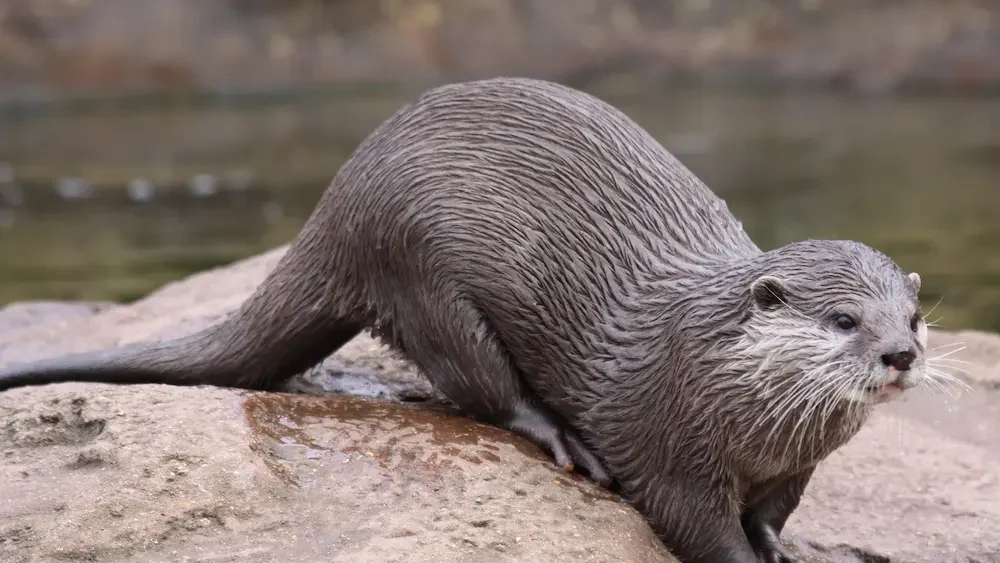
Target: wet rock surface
point(362, 461)
point(160, 474)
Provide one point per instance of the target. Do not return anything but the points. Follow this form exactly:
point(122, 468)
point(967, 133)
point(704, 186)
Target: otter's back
point(542, 204)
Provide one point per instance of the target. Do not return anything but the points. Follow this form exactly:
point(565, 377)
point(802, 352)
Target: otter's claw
point(767, 545)
point(776, 556)
point(585, 458)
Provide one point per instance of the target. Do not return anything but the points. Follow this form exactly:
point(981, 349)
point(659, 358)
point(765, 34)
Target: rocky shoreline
point(367, 465)
point(106, 48)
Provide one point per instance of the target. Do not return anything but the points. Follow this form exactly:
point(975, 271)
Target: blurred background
point(144, 140)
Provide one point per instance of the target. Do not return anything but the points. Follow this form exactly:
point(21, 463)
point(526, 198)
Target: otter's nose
point(900, 361)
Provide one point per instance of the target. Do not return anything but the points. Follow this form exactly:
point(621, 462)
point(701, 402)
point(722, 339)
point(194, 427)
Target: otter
point(554, 271)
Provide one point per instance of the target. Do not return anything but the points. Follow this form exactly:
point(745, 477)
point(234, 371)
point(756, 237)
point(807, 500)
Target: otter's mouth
point(885, 392)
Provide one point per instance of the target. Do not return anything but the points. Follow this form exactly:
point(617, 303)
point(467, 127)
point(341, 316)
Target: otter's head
point(836, 322)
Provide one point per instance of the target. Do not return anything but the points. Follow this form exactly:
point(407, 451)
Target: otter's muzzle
point(900, 361)
point(901, 378)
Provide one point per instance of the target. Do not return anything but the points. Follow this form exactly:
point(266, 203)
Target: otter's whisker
point(787, 404)
point(798, 386)
point(806, 401)
point(808, 405)
point(946, 354)
point(843, 390)
point(800, 408)
point(826, 406)
point(851, 387)
point(949, 345)
point(793, 398)
point(949, 361)
point(928, 313)
point(933, 385)
point(938, 387)
point(940, 372)
point(795, 394)
point(946, 383)
point(794, 310)
point(898, 424)
point(944, 377)
point(946, 366)
point(806, 420)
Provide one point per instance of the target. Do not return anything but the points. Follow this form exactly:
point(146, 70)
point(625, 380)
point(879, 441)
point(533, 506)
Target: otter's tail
point(288, 325)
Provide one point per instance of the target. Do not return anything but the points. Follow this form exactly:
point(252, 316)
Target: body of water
point(110, 203)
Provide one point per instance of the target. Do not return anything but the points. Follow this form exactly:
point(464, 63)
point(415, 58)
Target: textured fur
point(553, 270)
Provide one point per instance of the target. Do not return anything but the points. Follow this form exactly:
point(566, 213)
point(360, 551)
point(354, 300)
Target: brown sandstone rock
point(169, 474)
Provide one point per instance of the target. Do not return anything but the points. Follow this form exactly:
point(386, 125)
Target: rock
point(159, 473)
point(19, 316)
point(151, 473)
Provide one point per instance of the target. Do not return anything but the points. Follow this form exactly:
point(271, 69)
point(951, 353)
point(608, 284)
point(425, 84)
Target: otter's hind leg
point(461, 354)
point(548, 430)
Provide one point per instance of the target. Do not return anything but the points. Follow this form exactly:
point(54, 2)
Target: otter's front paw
point(766, 544)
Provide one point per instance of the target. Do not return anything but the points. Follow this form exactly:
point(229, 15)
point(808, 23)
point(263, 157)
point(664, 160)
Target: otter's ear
point(768, 292)
point(915, 280)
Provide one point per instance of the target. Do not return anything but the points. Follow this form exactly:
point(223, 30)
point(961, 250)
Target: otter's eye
point(915, 323)
point(845, 322)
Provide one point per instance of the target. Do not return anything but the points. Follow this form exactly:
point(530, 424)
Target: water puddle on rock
point(298, 432)
point(305, 439)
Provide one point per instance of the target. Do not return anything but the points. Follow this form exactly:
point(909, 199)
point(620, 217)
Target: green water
point(918, 179)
